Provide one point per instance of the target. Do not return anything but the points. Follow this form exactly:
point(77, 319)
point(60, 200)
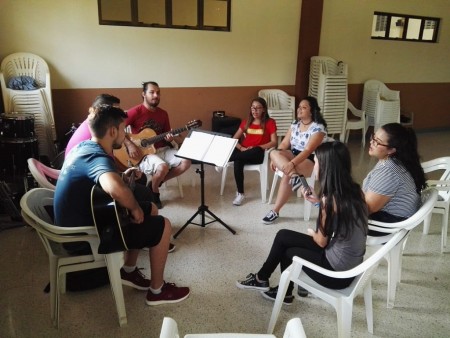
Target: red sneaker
point(135, 279)
point(170, 293)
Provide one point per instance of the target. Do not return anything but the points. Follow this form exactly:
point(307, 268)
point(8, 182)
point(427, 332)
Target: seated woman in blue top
point(295, 154)
point(392, 189)
point(339, 241)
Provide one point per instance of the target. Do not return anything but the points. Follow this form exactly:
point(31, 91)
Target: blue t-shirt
point(80, 172)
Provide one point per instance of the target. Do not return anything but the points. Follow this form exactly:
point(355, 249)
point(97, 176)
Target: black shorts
point(146, 234)
point(295, 152)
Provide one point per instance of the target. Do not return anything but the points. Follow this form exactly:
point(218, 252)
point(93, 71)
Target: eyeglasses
point(376, 142)
point(256, 108)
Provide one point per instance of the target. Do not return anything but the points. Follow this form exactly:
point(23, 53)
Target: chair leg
point(272, 189)
point(369, 306)
point(282, 288)
point(426, 224)
point(114, 262)
point(394, 266)
point(224, 178)
point(344, 311)
point(444, 229)
point(54, 291)
point(263, 179)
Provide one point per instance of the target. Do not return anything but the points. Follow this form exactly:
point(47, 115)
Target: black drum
point(16, 125)
point(14, 154)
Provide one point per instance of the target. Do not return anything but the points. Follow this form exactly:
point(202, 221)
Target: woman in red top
point(256, 134)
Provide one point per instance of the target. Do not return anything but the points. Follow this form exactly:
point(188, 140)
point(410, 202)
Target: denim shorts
point(295, 152)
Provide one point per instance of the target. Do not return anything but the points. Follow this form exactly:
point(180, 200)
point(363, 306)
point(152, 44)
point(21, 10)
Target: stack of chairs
point(37, 102)
point(328, 84)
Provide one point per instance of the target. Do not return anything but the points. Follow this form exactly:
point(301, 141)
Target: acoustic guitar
point(109, 219)
point(146, 139)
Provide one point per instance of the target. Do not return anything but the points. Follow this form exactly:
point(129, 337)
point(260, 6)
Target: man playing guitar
point(89, 164)
point(163, 165)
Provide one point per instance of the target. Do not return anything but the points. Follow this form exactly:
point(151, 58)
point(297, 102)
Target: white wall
point(260, 50)
point(345, 35)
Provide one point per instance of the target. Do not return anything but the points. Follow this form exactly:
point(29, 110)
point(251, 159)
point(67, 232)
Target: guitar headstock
point(194, 124)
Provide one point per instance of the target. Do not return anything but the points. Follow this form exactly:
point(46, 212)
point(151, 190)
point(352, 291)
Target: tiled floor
point(210, 259)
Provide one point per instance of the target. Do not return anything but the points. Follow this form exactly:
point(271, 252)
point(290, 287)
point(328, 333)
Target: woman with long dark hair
point(255, 135)
point(339, 241)
point(295, 154)
point(392, 189)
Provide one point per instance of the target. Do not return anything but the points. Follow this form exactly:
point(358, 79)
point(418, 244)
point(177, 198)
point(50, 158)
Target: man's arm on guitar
point(113, 185)
point(133, 150)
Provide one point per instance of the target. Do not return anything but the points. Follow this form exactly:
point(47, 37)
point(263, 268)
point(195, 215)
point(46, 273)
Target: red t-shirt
point(158, 120)
point(254, 135)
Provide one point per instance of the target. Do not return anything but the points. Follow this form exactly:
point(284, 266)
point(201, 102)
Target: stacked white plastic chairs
point(328, 84)
point(281, 107)
point(37, 102)
point(381, 104)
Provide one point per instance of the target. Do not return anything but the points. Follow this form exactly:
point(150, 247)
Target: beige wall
point(345, 35)
point(204, 71)
point(260, 50)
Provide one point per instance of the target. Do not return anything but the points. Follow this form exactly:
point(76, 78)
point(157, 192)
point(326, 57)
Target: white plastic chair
point(381, 104)
point(359, 122)
point(262, 168)
point(35, 206)
point(443, 201)
point(281, 107)
point(394, 256)
point(45, 176)
point(294, 329)
point(341, 300)
point(307, 205)
point(37, 102)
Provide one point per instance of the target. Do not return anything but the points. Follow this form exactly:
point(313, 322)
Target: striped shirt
point(390, 178)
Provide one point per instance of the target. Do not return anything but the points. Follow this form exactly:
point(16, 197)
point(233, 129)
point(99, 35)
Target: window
point(390, 26)
point(182, 14)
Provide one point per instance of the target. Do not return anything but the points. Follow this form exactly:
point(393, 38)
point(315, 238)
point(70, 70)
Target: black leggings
point(254, 155)
point(287, 244)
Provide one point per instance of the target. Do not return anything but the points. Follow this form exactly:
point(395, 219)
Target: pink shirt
point(81, 134)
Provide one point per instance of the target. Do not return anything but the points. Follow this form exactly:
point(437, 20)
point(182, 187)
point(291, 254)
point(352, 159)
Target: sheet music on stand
point(207, 147)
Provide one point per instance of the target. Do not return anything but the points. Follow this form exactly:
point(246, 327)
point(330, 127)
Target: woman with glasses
point(295, 154)
point(392, 189)
point(256, 134)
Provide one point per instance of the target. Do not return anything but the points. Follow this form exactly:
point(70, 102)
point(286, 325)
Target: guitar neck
point(148, 141)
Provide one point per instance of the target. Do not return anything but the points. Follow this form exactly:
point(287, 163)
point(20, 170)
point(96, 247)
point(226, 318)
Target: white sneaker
point(238, 199)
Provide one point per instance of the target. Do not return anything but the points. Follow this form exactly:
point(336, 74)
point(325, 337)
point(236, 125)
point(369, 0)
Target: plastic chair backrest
point(429, 197)
point(25, 64)
point(45, 176)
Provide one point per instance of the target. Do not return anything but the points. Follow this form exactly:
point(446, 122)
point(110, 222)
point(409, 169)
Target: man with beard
point(163, 165)
point(89, 164)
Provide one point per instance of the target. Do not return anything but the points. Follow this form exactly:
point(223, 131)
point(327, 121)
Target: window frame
point(404, 23)
point(134, 20)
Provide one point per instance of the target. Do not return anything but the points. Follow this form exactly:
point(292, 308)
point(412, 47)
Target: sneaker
point(252, 283)
point(135, 279)
point(272, 295)
point(157, 200)
point(170, 293)
point(172, 247)
point(302, 292)
point(238, 199)
point(270, 217)
point(295, 182)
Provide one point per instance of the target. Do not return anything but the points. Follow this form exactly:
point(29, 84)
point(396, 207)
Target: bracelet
point(317, 204)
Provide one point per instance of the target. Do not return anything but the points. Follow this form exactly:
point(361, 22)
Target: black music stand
point(197, 155)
